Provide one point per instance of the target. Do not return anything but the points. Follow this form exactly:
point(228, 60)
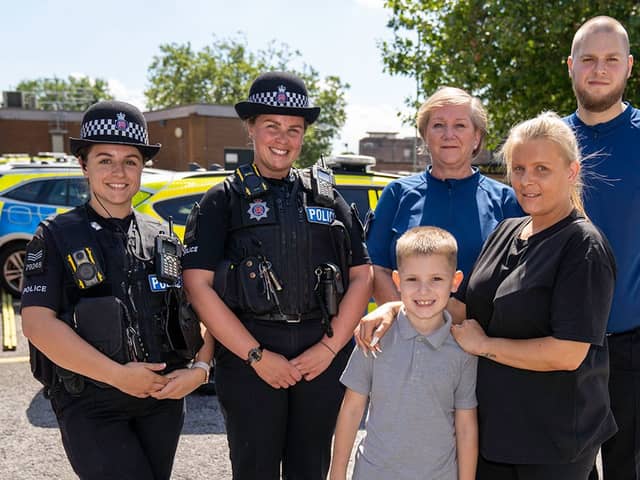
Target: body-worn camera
point(86, 271)
point(252, 182)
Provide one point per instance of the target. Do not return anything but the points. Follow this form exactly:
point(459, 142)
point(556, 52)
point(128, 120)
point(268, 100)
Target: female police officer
point(281, 249)
point(96, 305)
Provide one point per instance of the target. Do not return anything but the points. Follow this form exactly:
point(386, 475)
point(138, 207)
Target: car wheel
point(12, 262)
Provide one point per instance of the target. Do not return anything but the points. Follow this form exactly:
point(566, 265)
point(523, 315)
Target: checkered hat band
point(107, 126)
point(294, 100)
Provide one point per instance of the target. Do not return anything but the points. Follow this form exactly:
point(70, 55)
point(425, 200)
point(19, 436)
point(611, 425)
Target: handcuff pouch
point(181, 325)
point(225, 283)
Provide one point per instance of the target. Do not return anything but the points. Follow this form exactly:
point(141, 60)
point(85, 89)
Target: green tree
point(73, 93)
point(510, 53)
point(221, 73)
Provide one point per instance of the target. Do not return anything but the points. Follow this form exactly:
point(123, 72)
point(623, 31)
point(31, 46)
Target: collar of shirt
point(612, 124)
point(453, 182)
point(114, 224)
point(435, 338)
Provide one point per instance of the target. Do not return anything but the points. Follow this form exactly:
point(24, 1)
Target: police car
point(29, 193)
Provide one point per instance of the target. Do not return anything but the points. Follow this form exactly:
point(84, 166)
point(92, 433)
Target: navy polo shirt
point(469, 208)
point(611, 167)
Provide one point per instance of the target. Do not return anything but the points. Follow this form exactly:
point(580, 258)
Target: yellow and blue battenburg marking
point(18, 217)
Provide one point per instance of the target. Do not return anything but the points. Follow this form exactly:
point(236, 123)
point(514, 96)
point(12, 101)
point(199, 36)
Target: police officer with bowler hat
point(276, 268)
point(111, 335)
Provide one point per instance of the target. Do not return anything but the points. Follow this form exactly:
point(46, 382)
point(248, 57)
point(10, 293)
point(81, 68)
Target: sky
point(117, 41)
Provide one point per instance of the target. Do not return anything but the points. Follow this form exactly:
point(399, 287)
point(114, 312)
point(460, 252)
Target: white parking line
point(22, 359)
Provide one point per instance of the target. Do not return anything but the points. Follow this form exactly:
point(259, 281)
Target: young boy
point(422, 421)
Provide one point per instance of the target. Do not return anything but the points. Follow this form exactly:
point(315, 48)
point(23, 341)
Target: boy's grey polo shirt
point(414, 384)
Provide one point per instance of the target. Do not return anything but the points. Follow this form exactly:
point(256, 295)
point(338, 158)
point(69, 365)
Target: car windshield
point(178, 208)
point(58, 191)
point(359, 196)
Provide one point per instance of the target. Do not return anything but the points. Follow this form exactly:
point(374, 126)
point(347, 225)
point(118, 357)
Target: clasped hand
point(139, 379)
point(279, 372)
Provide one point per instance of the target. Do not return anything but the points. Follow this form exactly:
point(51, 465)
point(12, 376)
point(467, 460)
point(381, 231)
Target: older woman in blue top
point(450, 194)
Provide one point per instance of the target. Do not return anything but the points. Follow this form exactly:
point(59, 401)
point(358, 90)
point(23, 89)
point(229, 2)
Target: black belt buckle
point(297, 318)
point(625, 333)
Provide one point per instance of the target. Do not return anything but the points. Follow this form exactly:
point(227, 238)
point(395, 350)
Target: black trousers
point(577, 470)
point(271, 429)
point(109, 435)
point(621, 453)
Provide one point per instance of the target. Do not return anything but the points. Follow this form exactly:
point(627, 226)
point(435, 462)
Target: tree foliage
point(221, 73)
point(73, 93)
point(510, 53)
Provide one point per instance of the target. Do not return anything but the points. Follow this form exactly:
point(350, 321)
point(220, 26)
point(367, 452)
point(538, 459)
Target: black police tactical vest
point(286, 227)
point(126, 277)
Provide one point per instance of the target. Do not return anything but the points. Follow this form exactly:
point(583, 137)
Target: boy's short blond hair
point(427, 241)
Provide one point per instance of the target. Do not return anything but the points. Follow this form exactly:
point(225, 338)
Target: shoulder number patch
point(35, 257)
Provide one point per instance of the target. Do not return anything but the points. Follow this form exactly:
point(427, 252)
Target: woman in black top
point(539, 296)
point(537, 303)
point(93, 304)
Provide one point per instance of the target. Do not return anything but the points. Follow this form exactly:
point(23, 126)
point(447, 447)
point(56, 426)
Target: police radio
point(322, 182)
point(167, 256)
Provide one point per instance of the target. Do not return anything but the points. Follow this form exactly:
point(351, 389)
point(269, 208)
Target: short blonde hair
point(547, 126)
point(454, 96)
point(600, 24)
point(427, 241)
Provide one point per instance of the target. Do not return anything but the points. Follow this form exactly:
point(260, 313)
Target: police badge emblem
point(121, 123)
point(258, 210)
point(282, 97)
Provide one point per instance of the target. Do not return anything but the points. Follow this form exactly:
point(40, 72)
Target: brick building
point(205, 134)
point(393, 154)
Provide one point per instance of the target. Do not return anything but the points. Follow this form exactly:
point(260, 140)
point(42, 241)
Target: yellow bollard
point(9, 336)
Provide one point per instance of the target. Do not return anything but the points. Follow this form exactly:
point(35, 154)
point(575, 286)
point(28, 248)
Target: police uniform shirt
point(206, 247)
point(45, 271)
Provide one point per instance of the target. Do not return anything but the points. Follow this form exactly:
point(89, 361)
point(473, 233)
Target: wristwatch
point(204, 366)
point(254, 355)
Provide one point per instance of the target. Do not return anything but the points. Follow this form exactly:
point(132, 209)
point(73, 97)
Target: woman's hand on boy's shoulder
point(374, 326)
point(470, 336)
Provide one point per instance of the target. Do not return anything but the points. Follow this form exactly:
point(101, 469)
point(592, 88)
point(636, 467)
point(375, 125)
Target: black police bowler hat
point(279, 93)
point(114, 122)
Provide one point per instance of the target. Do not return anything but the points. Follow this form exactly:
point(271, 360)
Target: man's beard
point(599, 104)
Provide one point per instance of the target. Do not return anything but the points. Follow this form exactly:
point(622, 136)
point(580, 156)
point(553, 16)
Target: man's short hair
point(600, 24)
point(427, 241)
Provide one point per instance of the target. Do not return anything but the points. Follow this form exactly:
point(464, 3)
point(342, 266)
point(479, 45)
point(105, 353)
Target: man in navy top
point(608, 130)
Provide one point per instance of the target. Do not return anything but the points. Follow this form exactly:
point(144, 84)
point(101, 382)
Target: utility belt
point(625, 333)
point(294, 318)
point(106, 324)
point(251, 286)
